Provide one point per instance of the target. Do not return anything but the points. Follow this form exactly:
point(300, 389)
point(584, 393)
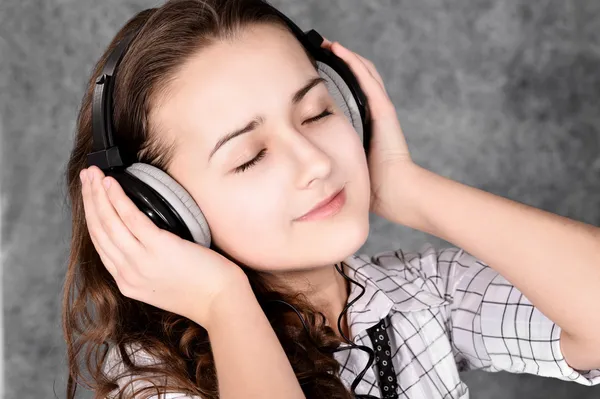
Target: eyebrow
point(256, 121)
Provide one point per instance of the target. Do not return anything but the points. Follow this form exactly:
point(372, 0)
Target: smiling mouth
point(326, 208)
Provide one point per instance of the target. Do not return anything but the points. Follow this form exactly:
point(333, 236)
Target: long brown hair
point(96, 316)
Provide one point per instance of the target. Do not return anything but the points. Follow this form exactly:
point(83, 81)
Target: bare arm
point(250, 361)
point(553, 260)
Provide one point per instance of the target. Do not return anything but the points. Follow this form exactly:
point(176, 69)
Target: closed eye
point(322, 115)
point(263, 152)
point(252, 162)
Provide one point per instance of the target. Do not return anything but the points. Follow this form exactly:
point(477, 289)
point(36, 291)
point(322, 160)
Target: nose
point(314, 163)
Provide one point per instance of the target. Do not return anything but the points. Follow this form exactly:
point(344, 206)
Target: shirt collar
point(386, 288)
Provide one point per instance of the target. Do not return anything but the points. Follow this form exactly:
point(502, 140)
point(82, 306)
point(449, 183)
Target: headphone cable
point(352, 345)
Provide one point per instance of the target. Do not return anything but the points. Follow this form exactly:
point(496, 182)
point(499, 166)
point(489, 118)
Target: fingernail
point(83, 176)
point(106, 182)
point(91, 175)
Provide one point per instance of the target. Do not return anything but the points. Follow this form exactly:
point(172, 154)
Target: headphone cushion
point(177, 197)
point(342, 95)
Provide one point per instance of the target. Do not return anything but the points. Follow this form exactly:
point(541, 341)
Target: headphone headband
point(104, 152)
point(106, 155)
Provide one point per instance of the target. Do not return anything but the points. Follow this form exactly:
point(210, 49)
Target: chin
point(312, 244)
point(355, 238)
point(334, 241)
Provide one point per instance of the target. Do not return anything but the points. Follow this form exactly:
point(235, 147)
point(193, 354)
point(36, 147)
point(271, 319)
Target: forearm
point(553, 260)
point(249, 359)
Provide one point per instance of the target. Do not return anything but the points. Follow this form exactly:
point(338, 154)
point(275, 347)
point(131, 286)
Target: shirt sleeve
point(114, 367)
point(493, 326)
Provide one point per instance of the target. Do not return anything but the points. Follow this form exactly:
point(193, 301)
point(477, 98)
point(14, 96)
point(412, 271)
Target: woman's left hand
point(388, 156)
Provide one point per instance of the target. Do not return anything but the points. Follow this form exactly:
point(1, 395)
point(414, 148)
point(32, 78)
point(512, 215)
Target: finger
point(368, 64)
point(379, 102)
point(374, 76)
point(118, 233)
point(112, 269)
point(105, 260)
point(97, 236)
point(326, 43)
point(372, 69)
point(96, 228)
point(142, 228)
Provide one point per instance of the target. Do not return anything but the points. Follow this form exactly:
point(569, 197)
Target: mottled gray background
point(499, 94)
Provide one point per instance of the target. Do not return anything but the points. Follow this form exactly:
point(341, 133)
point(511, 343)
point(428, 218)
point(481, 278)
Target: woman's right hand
point(150, 264)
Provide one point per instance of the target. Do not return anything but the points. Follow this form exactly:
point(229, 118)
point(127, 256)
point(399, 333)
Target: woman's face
point(254, 187)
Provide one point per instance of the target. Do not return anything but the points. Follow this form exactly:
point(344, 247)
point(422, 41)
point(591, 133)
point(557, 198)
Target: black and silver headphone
point(164, 200)
point(156, 193)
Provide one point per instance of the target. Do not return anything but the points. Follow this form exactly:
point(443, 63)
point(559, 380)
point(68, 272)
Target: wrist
point(223, 306)
point(400, 201)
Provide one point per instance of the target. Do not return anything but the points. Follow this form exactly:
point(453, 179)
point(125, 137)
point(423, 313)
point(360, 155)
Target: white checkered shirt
point(449, 311)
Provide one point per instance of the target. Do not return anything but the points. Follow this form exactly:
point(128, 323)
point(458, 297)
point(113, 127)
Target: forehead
point(229, 82)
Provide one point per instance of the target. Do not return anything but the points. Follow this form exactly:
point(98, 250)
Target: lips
point(327, 207)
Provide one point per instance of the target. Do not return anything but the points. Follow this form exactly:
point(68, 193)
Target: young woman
point(287, 202)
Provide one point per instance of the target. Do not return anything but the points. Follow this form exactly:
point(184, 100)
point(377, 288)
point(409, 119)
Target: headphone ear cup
point(177, 197)
point(342, 95)
point(150, 203)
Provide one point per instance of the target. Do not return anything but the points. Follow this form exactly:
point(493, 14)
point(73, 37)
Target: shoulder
point(114, 367)
point(426, 262)
point(113, 364)
point(412, 280)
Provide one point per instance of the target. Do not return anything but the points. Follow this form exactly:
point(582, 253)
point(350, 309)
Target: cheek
point(246, 214)
point(353, 161)
point(347, 148)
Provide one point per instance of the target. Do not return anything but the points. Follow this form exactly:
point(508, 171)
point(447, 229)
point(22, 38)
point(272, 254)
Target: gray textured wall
point(499, 94)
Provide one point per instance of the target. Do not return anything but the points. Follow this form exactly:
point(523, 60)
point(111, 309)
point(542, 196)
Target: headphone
point(164, 200)
point(157, 194)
